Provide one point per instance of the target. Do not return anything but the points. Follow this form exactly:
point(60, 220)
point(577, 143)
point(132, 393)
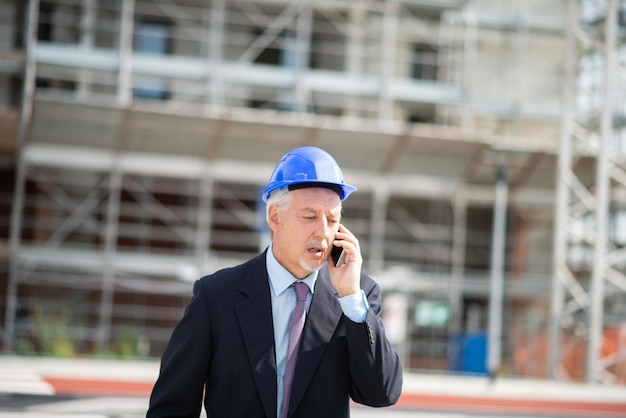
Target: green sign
point(432, 313)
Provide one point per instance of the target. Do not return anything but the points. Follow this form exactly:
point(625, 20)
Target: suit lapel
point(255, 319)
point(322, 319)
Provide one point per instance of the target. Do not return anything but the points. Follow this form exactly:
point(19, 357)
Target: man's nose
point(322, 229)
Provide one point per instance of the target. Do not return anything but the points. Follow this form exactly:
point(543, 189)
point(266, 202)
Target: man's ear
point(273, 217)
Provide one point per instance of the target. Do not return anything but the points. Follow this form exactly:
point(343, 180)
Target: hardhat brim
point(342, 189)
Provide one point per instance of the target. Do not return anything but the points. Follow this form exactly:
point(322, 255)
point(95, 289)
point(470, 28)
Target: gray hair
point(280, 198)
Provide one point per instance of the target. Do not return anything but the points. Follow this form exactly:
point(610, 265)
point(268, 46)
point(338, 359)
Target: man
point(241, 340)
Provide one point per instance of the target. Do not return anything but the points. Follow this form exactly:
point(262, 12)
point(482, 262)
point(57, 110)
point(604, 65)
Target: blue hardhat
point(308, 167)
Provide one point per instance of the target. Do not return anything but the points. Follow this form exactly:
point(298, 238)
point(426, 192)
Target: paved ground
point(81, 388)
point(48, 406)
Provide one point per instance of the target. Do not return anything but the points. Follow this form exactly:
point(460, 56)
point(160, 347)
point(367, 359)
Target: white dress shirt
point(355, 307)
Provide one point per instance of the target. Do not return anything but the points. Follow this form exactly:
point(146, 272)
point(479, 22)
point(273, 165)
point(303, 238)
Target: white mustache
point(316, 243)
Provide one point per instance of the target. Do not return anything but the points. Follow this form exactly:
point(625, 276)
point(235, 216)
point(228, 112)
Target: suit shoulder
point(367, 282)
point(231, 276)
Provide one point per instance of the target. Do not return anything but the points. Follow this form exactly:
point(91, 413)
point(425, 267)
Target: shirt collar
point(281, 279)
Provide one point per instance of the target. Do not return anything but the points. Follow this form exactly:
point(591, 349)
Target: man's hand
point(346, 277)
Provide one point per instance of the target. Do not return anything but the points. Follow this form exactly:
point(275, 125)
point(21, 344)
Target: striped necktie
point(296, 324)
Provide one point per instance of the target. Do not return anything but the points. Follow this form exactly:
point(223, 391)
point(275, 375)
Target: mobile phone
point(336, 254)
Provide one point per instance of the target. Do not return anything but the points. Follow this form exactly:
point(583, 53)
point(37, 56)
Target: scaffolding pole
point(494, 351)
point(215, 42)
point(388, 38)
point(561, 213)
point(378, 222)
point(459, 235)
point(596, 309)
point(125, 74)
point(28, 92)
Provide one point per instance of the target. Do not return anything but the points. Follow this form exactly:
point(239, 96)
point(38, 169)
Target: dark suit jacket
point(224, 345)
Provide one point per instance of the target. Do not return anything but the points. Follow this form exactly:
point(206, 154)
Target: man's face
point(304, 230)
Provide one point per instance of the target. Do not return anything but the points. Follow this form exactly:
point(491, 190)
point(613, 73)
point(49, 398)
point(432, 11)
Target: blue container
point(467, 353)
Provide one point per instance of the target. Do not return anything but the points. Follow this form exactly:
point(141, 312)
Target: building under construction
point(486, 138)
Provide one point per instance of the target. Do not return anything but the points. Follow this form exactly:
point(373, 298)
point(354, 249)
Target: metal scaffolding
point(589, 258)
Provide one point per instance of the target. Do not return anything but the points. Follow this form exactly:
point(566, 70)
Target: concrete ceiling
point(254, 140)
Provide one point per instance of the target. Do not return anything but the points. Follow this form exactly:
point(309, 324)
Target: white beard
point(309, 267)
